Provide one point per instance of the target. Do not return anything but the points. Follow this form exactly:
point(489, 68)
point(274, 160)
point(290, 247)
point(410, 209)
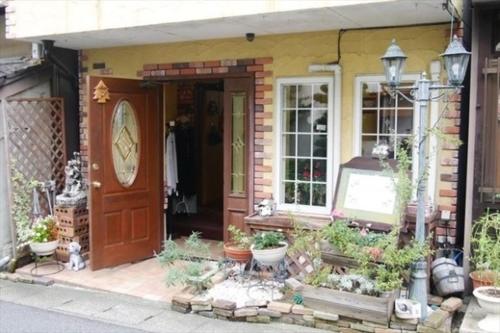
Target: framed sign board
point(366, 194)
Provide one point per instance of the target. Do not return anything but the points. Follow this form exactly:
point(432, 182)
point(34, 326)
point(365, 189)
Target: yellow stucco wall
point(292, 53)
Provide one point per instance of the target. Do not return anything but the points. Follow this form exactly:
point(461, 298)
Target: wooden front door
point(125, 171)
point(238, 152)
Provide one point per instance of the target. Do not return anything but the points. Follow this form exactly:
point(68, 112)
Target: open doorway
point(194, 157)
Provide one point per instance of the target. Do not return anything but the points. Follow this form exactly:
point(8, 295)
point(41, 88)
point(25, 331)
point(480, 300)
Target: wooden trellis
point(35, 138)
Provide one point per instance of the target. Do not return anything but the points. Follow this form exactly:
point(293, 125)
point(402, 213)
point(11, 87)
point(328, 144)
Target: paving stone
point(434, 300)
point(376, 325)
point(43, 281)
point(280, 306)
point(3, 276)
point(328, 327)
point(344, 323)
point(207, 314)
point(270, 313)
point(246, 312)
point(309, 319)
point(403, 326)
point(24, 278)
point(363, 328)
point(348, 330)
point(223, 312)
point(436, 318)
point(287, 319)
point(444, 328)
point(326, 315)
point(452, 304)
point(180, 309)
point(294, 284)
point(387, 330)
point(259, 319)
point(217, 278)
point(201, 300)
point(302, 310)
point(256, 302)
point(198, 308)
point(182, 298)
point(222, 317)
point(223, 304)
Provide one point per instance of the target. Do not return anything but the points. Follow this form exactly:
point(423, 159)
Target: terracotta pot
point(236, 253)
point(44, 249)
point(482, 278)
point(270, 257)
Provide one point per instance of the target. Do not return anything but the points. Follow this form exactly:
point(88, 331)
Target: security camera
point(250, 36)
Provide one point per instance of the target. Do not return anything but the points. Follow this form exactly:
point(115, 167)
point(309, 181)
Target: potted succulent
point(43, 240)
point(238, 248)
point(269, 248)
point(486, 279)
point(486, 250)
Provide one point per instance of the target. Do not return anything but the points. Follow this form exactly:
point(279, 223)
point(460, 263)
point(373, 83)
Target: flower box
point(352, 305)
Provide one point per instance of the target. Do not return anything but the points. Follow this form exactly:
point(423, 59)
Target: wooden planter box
point(361, 307)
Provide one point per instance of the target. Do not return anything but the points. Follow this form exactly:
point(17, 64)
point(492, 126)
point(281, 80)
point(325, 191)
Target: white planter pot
point(270, 257)
point(44, 249)
point(491, 305)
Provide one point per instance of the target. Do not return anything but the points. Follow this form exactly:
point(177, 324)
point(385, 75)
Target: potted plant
point(486, 250)
point(238, 248)
point(43, 240)
point(486, 279)
point(269, 248)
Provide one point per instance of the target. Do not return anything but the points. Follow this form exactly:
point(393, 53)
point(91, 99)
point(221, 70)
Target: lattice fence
point(36, 141)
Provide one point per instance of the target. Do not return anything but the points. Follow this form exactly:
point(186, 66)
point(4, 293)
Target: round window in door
point(125, 143)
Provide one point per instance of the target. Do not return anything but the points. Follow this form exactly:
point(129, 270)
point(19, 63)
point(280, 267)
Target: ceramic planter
point(491, 305)
point(236, 253)
point(270, 257)
point(44, 249)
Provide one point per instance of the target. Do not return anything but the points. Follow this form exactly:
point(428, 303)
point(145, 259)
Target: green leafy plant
point(239, 238)
point(268, 240)
point(485, 243)
point(304, 240)
point(44, 230)
point(185, 264)
point(22, 189)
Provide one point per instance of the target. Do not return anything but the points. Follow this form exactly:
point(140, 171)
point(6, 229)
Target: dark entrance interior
point(194, 115)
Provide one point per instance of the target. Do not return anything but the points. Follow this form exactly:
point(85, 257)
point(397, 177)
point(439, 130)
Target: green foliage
point(239, 238)
point(305, 240)
point(485, 243)
point(319, 277)
point(268, 240)
point(22, 189)
point(184, 264)
point(298, 299)
point(44, 230)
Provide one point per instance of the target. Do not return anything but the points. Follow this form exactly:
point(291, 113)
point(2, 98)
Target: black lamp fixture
point(394, 60)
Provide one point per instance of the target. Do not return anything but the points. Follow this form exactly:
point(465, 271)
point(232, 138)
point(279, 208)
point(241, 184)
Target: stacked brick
point(73, 226)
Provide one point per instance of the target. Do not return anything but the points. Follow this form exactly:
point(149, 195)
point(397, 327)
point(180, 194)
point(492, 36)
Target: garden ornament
point(74, 193)
point(265, 208)
point(76, 261)
point(407, 309)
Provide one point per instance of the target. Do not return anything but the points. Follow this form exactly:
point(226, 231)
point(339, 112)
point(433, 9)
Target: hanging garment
point(186, 150)
point(171, 175)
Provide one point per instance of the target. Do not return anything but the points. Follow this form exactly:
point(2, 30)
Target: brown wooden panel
point(113, 228)
point(139, 223)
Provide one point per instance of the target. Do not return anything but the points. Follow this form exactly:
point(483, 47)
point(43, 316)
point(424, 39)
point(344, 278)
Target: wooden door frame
point(250, 126)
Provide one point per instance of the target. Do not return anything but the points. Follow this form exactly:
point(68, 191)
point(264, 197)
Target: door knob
point(96, 184)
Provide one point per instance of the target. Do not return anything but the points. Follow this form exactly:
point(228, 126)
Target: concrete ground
point(128, 311)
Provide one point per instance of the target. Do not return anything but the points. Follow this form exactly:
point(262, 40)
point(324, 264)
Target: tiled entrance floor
point(142, 279)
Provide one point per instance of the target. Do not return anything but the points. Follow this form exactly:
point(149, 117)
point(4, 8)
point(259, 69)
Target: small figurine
point(265, 207)
point(76, 261)
point(407, 309)
point(74, 193)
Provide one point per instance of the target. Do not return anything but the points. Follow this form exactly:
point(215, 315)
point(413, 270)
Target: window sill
point(283, 221)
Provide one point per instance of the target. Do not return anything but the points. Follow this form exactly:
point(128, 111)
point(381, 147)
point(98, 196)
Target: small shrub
point(268, 240)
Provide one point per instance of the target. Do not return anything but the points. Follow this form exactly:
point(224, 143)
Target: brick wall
point(260, 68)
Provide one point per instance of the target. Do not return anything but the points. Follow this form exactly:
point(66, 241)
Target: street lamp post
point(456, 60)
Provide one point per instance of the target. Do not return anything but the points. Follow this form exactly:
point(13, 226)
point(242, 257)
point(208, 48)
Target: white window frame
point(333, 144)
point(358, 119)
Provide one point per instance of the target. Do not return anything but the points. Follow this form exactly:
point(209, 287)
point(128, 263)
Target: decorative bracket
point(101, 93)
